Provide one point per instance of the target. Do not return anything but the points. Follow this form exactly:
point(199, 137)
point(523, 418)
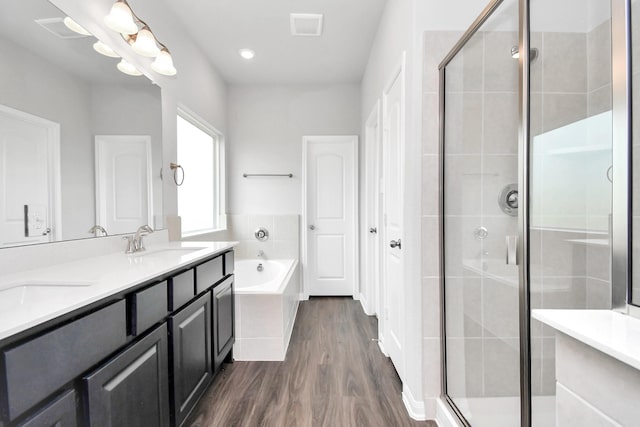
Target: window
point(200, 150)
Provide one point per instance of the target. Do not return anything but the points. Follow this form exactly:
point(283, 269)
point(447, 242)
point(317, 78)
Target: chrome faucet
point(138, 244)
point(97, 229)
point(261, 254)
point(135, 243)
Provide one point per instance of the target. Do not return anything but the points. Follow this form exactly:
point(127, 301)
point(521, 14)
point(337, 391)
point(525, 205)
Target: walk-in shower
point(527, 211)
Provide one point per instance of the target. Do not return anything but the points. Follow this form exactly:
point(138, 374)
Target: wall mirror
point(80, 142)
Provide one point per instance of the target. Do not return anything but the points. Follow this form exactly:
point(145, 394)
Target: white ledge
point(613, 333)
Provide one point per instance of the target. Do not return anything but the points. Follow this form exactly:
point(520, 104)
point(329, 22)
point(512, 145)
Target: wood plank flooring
point(334, 375)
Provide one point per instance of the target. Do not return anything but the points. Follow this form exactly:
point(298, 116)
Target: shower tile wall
point(284, 235)
point(436, 44)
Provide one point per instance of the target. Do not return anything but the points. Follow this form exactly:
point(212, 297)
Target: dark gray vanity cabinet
point(190, 331)
point(32, 371)
point(142, 357)
point(61, 412)
point(131, 389)
point(223, 321)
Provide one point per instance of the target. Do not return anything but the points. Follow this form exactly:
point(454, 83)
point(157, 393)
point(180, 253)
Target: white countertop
point(32, 297)
point(613, 333)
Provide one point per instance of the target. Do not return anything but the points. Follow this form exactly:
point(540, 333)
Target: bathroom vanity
point(130, 340)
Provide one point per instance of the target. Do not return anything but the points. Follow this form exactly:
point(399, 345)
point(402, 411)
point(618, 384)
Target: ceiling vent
point(56, 26)
point(306, 24)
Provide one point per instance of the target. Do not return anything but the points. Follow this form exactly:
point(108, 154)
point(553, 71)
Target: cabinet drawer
point(36, 369)
point(228, 263)
point(132, 389)
point(59, 413)
point(181, 289)
point(147, 307)
point(209, 273)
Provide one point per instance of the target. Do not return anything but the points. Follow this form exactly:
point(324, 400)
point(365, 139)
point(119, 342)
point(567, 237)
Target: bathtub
point(266, 303)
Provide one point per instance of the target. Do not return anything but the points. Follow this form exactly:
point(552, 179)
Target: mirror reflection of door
point(123, 182)
point(29, 149)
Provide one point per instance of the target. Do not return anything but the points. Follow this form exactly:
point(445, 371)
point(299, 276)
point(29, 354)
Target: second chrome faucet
point(135, 242)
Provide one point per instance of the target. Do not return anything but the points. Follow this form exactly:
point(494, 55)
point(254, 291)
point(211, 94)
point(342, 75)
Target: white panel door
point(393, 149)
point(27, 145)
point(123, 182)
point(330, 182)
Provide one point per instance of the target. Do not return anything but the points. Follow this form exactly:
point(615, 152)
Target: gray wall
point(266, 126)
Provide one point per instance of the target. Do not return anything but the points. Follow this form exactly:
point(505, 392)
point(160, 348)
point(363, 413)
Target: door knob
point(373, 230)
point(312, 227)
point(396, 244)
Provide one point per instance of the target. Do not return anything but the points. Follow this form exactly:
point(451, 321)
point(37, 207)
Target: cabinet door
point(131, 389)
point(59, 413)
point(191, 355)
point(222, 321)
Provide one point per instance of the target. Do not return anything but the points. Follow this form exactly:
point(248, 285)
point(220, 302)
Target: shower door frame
point(621, 229)
point(524, 62)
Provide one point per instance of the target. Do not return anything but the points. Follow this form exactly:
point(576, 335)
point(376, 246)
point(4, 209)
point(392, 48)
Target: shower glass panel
point(570, 177)
point(480, 170)
point(635, 148)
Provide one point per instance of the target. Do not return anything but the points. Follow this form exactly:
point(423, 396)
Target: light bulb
point(247, 53)
point(120, 19)
point(105, 50)
point(163, 64)
point(128, 68)
point(75, 27)
point(145, 43)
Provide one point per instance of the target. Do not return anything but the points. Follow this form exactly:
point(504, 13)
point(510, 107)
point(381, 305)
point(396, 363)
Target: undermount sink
point(29, 293)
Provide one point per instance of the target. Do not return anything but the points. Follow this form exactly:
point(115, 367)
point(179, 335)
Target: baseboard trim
point(365, 305)
point(415, 408)
point(381, 346)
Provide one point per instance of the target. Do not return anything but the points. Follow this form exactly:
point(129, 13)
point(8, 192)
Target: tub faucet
point(261, 254)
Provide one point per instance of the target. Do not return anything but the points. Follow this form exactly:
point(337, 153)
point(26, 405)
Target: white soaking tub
point(266, 303)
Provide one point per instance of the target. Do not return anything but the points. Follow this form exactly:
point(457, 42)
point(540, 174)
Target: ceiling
point(222, 27)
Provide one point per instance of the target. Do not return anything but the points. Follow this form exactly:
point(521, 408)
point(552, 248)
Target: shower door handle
point(512, 250)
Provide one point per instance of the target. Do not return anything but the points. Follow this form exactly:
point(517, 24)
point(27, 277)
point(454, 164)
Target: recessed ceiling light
point(247, 53)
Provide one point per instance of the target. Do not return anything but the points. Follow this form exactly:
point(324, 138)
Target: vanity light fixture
point(247, 53)
point(163, 63)
point(105, 50)
point(75, 27)
point(120, 18)
point(138, 34)
point(145, 43)
point(128, 68)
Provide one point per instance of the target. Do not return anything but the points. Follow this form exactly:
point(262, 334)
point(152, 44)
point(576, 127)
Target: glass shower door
point(570, 179)
point(480, 223)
